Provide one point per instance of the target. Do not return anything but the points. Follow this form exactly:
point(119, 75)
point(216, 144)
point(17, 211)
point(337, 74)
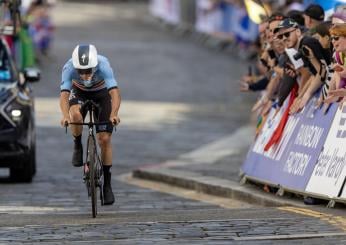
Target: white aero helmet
point(84, 57)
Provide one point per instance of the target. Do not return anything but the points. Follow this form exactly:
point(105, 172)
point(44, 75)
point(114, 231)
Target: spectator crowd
point(300, 54)
point(33, 35)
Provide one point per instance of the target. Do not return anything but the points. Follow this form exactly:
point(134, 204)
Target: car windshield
point(5, 66)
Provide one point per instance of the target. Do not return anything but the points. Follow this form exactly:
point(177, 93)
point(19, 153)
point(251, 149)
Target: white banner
point(329, 173)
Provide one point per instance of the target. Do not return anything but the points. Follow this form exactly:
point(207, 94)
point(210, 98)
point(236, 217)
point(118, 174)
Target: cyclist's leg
point(104, 131)
point(76, 116)
point(104, 141)
point(75, 100)
point(104, 135)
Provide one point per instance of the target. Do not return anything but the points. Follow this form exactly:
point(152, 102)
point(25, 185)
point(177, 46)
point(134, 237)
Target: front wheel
point(92, 174)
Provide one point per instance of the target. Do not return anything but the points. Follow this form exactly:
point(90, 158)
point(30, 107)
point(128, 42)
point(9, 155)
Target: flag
point(257, 12)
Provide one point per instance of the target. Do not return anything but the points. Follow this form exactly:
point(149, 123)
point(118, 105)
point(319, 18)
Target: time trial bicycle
point(92, 166)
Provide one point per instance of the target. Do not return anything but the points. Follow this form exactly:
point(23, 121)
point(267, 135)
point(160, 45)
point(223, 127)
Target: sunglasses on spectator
point(334, 38)
point(286, 34)
point(85, 71)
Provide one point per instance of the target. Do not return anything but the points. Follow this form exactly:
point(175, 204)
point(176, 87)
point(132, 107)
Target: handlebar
point(87, 124)
point(90, 106)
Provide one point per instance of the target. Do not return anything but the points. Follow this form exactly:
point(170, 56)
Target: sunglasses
point(286, 34)
point(85, 71)
point(334, 38)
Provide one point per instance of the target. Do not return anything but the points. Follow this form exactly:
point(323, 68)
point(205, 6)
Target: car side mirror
point(32, 74)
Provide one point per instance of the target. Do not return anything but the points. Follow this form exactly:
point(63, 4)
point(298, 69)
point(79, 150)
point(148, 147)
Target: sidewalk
point(214, 169)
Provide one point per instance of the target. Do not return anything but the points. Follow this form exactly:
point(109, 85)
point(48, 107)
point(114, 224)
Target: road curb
point(213, 186)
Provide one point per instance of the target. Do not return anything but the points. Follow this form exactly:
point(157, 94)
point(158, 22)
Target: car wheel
point(26, 172)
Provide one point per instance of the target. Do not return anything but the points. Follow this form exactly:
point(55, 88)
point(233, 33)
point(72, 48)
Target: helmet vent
point(83, 54)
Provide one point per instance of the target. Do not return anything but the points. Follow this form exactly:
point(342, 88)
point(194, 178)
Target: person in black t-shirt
point(314, 71)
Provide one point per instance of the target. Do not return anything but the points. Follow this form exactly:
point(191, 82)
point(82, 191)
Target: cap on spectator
point(286, 23)
point(315, 12)
point(297, 16)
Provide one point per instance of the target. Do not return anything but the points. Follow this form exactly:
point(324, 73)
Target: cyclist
point(89, 76)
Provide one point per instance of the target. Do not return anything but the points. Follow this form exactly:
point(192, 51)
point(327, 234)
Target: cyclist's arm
point(65, 88)
point(64, 104)
point(116, 100)
point(112, 87)
point(107, 73)
point(66, 77)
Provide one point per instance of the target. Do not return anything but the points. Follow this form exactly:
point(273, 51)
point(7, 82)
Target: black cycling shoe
point(77, 157)
point(108, 196)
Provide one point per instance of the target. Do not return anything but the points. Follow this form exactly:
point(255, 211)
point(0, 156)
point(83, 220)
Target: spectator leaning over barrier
point(323, 36)
point(269, 58)
point(338, 36)
point(285, 80)
point(286, 32)
point(309, 53)
point(313, 16)
point(283, 77)
point(339, 17)
point(258, 81)
point(266, 54)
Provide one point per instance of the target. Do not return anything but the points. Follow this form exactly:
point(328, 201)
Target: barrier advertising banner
point(291, 162)
point(271, 123)
point(329, 173)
